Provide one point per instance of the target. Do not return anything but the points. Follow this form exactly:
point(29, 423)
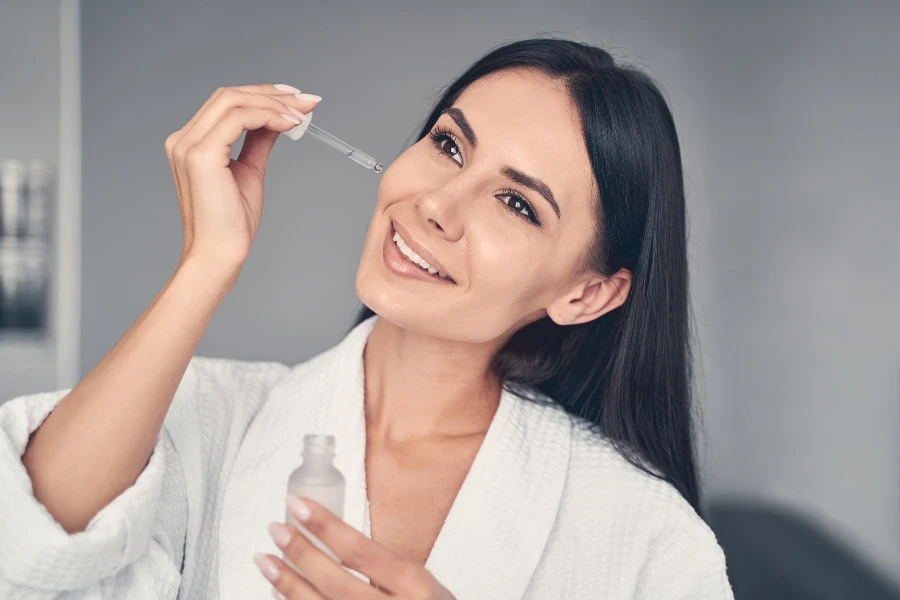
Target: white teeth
point(408, 253)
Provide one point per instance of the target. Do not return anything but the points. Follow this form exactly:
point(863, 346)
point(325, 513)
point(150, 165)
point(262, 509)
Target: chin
point(390, 304)
point(427, 310)
point(415, 315)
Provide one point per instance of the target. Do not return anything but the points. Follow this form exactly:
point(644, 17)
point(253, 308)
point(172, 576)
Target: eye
point(438, 136)
point(518, 205)
point(441, 138)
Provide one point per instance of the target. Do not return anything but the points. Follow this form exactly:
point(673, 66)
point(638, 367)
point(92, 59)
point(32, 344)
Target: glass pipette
point(346, 149)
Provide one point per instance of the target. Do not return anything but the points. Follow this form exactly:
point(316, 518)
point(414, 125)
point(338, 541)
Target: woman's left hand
point(325, 579)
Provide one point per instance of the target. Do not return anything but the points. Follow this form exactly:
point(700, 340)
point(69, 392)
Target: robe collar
point(496, 529)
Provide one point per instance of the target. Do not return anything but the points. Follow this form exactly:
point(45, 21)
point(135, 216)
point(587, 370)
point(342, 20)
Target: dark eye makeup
point(512, 199)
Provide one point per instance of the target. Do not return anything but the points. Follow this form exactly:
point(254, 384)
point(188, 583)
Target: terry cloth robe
point(548, 509)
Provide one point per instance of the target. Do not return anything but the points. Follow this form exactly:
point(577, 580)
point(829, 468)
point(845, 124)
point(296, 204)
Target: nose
point(441, 213)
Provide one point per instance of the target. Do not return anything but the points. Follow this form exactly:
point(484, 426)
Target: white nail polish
point(308, 97)
point(286, 88)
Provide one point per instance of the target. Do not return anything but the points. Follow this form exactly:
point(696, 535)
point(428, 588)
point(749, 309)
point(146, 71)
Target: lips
point(399, 265)
point(419, 249)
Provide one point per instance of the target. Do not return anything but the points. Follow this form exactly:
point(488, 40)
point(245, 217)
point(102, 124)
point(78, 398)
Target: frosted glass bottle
point(317, 478)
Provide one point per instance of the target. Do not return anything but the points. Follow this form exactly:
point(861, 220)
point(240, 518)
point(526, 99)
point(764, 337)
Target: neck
point(419, 386)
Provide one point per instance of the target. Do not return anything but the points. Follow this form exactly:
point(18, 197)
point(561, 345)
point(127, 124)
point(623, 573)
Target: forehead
point(526, 120)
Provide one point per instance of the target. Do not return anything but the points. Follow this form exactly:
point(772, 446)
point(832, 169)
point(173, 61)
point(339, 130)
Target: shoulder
point(208, 389)
point(597, 467)
point(611, 512)
point(218, 397)
point(227, 376)
point(601, 479)
point(224, 381)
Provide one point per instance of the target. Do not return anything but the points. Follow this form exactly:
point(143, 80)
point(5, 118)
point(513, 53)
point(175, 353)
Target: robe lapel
point(321, 395)
point(498, 524)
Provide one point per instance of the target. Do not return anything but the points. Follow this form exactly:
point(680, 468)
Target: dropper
point(346, 149)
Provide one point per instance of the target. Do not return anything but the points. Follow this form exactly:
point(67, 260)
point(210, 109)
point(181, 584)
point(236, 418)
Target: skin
point(435, 342)
point(429, 396)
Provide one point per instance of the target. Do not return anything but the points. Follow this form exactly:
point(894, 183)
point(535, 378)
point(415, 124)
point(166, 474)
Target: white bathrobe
point(548, 510)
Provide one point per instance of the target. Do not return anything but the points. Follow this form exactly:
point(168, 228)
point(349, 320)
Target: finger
point(214, 149)
point(231, 98)
point(284, 579)
point(219, 103)
point(256, 151)
point(258, 143)
point(284, 103)
point(180, 143)
point(325, 574)
point(257, 147)
point(356, 550)
point(264, 88)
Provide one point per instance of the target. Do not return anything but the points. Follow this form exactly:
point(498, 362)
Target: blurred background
point(788, 115)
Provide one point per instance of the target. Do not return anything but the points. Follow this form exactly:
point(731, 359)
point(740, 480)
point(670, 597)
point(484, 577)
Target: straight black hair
point(628, 373)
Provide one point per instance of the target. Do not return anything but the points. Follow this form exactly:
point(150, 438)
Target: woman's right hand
point(221, 199)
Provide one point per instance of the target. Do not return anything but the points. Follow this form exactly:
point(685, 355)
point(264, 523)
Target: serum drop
point(317, 478)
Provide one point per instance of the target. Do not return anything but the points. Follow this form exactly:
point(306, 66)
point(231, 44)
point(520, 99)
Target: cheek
point(409, 173)
point(512, 272)
point(393, 187)
point(389, 186)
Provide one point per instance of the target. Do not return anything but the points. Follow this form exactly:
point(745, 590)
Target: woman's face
point(510, 253)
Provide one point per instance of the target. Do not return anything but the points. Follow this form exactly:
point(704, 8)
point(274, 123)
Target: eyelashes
point(438, 135)
point(510, 198)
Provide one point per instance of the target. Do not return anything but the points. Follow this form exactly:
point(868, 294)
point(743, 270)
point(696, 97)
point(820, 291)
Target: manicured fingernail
point(299, 508)
point(291, 118)
point(280, 534)
point(278, 595)
point(266, 566)
point(299, 114)
point(286, 88)
point(310, 97)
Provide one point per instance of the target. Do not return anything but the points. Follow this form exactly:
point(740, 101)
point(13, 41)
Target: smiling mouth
point(417, 267)
point(414, 258)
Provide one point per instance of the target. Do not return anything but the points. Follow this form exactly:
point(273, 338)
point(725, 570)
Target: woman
point(514, 423)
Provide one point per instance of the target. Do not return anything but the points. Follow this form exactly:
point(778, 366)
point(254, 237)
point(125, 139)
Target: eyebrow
point(516, 175)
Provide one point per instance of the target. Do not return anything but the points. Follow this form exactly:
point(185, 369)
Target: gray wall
point(788, 122)
point(29, 79)
point(803, 119)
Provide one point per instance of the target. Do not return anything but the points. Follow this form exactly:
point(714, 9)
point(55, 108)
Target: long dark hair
point(627, 373)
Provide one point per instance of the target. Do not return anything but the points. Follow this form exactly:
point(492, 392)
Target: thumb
point(257, 146)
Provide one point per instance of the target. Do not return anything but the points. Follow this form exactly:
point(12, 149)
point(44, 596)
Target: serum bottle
point(317, 478)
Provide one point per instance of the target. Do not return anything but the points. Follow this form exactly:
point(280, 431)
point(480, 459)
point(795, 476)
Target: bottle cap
point(297, 132)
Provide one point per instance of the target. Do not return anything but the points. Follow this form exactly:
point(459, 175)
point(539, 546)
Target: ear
point(591, 298)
